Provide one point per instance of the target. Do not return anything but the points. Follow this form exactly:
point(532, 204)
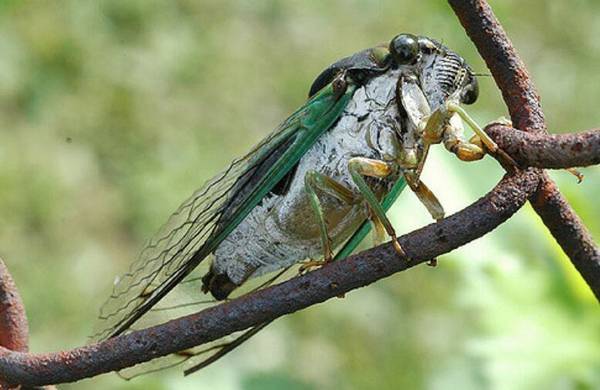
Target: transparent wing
point(174, 245)
point(193, 232)
point(183, 300)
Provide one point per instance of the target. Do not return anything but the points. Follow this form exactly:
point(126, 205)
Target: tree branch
point(523, 103)
point(14, 330)
point(266, 305)
point(548, 151)
point(507, 68)
point(569, 231)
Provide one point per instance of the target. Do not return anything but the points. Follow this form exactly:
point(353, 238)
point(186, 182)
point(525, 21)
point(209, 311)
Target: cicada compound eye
point(404, 48)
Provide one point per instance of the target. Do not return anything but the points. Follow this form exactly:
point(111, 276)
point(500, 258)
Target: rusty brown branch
point(14, 330)
point(359, 270)
point(523, 103)
point(507, 68)
point(548, 151)
point(268, 304)
point(569, 231)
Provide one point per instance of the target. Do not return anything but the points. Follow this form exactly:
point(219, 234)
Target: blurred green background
point(112, 112)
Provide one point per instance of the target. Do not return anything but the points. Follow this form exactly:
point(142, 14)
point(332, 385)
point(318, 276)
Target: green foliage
point(114, 111)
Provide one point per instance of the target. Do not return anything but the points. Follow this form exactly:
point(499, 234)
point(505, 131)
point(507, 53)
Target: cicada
point(309, 192)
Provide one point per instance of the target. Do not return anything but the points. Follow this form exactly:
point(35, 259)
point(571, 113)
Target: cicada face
point(442, 73)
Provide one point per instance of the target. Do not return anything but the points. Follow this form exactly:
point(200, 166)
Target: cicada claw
point(575, 173)
point(309, 265)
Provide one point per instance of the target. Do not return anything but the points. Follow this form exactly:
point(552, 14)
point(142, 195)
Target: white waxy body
point(283, 229)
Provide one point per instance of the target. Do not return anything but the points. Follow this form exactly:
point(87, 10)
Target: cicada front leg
point(455, 142)
point(476, 147)
point(481, 139)
point(425, 195)
point(432, 126)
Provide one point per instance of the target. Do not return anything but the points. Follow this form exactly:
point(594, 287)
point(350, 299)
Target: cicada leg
point(454, 141)
point(378, 229)
point(470, 150)
point(576, 173)
point(360, 167)
point(314, 180)
point(433, 125)
point(425, 195)
point(474, 149)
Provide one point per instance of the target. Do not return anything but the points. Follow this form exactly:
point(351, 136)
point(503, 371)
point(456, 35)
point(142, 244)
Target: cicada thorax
point(357, 68)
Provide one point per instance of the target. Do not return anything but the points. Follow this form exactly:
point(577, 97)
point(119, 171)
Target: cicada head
point(442, 73)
